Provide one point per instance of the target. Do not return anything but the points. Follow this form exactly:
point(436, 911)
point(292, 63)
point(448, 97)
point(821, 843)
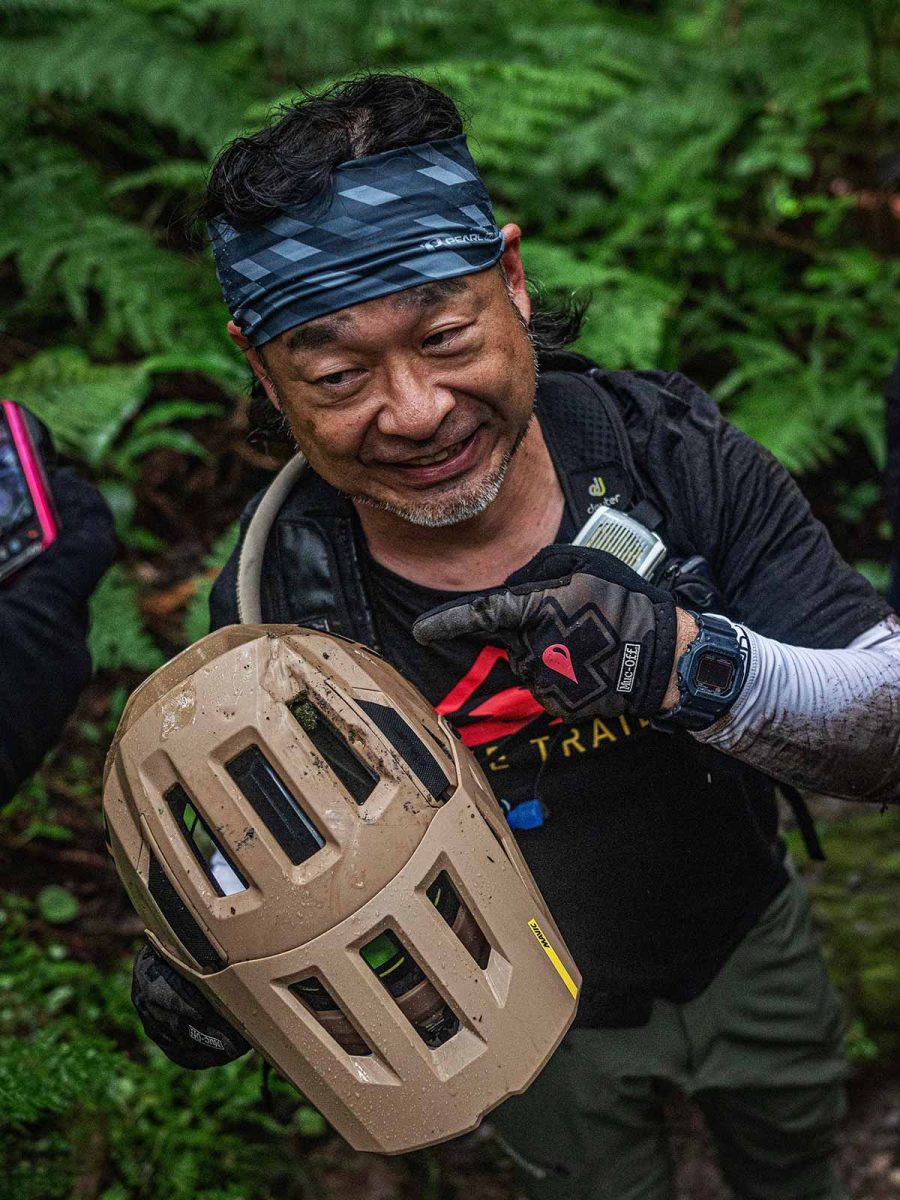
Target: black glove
point(178, 1017)
point(586, 635)
point(44, 661)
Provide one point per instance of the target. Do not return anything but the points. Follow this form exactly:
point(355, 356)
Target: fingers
point(498, 613)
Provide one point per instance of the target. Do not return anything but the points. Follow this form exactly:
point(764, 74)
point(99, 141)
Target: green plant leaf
point(57, 905)
point(117, 637)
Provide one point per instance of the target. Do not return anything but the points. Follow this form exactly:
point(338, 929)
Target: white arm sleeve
point(827, 720)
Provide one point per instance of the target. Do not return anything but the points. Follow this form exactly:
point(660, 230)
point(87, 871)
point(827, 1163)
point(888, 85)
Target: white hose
point(249, 604)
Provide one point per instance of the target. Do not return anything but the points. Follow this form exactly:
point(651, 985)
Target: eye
point(339, 378)
point(443, 337)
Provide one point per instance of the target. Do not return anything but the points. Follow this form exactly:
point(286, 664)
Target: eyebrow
point(314, 334)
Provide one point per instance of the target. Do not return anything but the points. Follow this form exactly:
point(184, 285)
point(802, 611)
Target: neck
point(483, 551)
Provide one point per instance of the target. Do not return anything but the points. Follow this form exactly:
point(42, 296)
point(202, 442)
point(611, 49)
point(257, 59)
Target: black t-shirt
point(655, 854)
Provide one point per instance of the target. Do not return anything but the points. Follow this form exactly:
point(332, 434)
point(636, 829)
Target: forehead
point(414, 302)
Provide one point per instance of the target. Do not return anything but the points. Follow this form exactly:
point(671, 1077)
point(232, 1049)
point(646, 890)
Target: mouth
point(445, 464)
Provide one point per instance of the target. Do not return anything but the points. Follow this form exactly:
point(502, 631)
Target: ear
point(257, 365)
point(515, 271)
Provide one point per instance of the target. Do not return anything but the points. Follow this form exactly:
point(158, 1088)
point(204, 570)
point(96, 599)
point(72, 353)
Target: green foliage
point(196, 622)
point(856, 901)
point(83, 404)
point(68, 1074)
point(83, 1094)
point(117, 637)
point(57, 905)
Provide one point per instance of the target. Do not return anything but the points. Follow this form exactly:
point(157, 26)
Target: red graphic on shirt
point(558, 659)
point(504, 713)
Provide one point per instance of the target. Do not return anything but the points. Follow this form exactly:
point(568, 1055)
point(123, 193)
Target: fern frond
point(68, 247)
point(117, 636)
point(626, 322)
point(179, 174)
point(134, 63)
point(800, 410)
point(83, 404)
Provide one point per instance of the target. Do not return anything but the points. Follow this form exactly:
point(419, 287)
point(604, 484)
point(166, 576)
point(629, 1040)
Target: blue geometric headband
point(394, 220)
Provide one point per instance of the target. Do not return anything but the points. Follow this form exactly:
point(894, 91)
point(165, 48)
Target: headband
point(392, 221)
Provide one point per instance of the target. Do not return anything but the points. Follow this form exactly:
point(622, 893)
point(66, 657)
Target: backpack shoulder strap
point(584, 426)
point(303, 520)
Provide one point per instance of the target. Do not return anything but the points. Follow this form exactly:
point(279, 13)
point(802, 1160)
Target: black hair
point(293, 159)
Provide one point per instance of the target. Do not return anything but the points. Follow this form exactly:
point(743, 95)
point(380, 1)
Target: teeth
point(434, 458)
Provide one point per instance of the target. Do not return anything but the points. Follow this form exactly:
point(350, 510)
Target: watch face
point(715, 672)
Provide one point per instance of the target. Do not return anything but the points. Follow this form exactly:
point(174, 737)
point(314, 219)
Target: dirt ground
point(473, 1168)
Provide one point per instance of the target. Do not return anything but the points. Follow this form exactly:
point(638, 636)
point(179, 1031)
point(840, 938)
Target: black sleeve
point(44, 660)
point(774, 562)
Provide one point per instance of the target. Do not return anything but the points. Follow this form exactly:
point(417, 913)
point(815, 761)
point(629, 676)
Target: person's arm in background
point(892, 479)
point(44, 660)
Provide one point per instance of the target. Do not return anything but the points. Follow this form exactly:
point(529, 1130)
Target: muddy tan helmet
point(309, 844)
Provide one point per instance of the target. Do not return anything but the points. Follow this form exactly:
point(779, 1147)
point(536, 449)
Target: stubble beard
point(437, 513)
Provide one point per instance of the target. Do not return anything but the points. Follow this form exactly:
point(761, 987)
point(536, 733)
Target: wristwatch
point(710, 674)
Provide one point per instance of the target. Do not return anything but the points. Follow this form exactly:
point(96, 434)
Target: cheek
point(326, 438)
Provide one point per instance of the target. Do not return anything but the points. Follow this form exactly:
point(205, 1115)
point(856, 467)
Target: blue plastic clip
point(527, 815)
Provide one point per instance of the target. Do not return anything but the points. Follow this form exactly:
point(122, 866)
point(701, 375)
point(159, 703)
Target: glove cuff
point(662, 659)
point(178, 1017)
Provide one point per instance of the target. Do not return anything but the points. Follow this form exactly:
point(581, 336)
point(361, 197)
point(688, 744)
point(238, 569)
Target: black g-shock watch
point(710, 674)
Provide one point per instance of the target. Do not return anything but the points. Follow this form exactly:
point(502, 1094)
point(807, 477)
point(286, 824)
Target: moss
point(856, 901)
point(303, 711)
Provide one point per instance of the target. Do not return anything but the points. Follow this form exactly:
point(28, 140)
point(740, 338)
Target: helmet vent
point(359, 780)
point(261, 784)
point(180, 918)
point(219, 869)
point(316, 999)
point(445, 898)
point(418, 757)
point(413, 992)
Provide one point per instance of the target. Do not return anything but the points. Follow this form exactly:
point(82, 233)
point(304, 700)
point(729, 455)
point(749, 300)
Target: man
point(388, 320)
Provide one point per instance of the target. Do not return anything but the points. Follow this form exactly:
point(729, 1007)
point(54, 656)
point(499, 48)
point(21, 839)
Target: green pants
point(760, 1052)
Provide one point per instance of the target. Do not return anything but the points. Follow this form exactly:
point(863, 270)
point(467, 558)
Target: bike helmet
point(309, 844)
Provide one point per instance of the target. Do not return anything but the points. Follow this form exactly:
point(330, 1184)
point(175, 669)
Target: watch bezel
point(699, 706)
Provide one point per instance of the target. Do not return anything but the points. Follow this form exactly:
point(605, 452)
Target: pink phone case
point(33, 470)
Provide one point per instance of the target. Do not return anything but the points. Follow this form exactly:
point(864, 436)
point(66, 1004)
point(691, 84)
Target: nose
point(414, 405)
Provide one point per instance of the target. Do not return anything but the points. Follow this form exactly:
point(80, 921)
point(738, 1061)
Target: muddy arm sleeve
point(827, 720)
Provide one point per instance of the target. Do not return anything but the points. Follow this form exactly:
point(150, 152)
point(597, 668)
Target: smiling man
point(628, 729)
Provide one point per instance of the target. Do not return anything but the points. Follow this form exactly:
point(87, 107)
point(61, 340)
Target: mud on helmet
point(307, 843)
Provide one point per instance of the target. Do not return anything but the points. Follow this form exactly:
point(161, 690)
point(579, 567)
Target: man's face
point(415, 402)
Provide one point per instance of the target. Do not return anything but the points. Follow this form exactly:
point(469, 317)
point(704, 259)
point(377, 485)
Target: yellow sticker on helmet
point(554, 957)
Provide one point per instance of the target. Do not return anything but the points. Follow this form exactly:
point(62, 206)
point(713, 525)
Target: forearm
point(44, 665)
point(828, 720)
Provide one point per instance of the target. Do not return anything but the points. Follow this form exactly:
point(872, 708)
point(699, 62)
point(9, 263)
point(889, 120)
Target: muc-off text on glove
point(585, 634)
